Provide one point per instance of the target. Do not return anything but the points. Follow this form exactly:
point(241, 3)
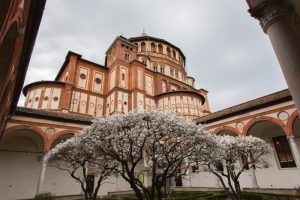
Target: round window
point(125, 103)
point(82, 76)
point(46, 98)
point(98, 80)
point(55, 98)
point(36, 98)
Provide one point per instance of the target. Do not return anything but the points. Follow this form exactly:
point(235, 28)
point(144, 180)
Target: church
point(139, 74)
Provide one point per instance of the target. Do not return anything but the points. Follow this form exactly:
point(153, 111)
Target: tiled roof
point(53, 115)
point(271, 99)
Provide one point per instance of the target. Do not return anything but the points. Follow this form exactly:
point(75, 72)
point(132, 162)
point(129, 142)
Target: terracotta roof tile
point(46, 114)
point(271, 99)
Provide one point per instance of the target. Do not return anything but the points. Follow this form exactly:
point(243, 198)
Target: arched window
point(174, 54)
point(160, 48)
point(143, 46)
point(168, 51)
point(153, 47)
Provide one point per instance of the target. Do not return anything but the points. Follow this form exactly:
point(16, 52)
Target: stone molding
point(271, 11)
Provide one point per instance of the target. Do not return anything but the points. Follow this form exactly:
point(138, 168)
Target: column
point(253, 176)
point(40, 187)
point(279, 20)
point(294, 149)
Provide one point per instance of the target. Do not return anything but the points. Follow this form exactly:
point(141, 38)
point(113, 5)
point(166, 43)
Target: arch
point(174, 54)
point(227, 128)
point(153, 47)
point(264, 118)
point(7, 48)
point(160, 48)
point(168, 51)
point(4, 8)
point(143, 47)
point(61, 135)
point(291, 121)
point(30, 128)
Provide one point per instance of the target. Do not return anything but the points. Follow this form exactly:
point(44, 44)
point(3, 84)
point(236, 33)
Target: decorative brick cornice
point(270, 11)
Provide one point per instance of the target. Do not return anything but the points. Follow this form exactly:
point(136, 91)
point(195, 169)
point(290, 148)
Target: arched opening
point(4, 6)
point(275, 136)
point(153, 47)
point(143, 46)
point(160, 48)
point(61, 139)
point(168, 51)
point(227, 132)
point(174, 54)
point(6, 51)
point(21, 154)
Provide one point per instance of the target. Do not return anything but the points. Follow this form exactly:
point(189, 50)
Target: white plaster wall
point(98, 87)
point(19, 174)
point(83, 82)
point(59, 182)
point(56, 93)
point(92, 105)
point(99, 109)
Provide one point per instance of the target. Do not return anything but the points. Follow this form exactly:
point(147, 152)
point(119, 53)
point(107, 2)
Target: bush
point(44, 196)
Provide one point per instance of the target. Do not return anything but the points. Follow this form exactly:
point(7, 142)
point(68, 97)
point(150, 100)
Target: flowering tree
point(156, 142)
point(223, 155)
point(78, 157)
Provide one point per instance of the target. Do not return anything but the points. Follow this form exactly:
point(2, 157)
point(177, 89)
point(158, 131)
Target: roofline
point(25, 89)
point(52, 115)
point(67, 61)
point(255, 104)
point(159, 40)
point(121, 38)
point(182, 91)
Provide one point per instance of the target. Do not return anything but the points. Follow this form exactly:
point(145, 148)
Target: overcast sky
point(227, 52)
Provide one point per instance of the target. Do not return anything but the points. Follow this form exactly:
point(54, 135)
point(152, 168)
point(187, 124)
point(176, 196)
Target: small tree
point(162, 139)
point(78, 157)
point(223, 155)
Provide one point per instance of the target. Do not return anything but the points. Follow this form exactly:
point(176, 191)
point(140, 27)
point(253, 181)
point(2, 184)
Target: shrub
point(43, 196)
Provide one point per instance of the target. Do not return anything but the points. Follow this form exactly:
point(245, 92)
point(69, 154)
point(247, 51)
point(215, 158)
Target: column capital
point(269, 11)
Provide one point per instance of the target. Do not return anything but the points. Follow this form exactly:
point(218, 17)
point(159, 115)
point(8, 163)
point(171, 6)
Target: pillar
point(295, 150)
point(40, 187)
point(253, 176)
point(280, 21)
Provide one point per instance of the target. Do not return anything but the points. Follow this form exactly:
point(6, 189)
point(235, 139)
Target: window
point(143, 46)
point(153, 47)
point(144, 61)
point(98, 80)
point(126, 56)
point(160, 48)
point(176, 75)
point(171, 72)
point(83, 76)
point(155, 68)
point(123, 76)
point(283, 151)
point(162, 70)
